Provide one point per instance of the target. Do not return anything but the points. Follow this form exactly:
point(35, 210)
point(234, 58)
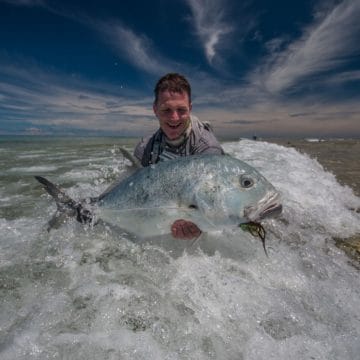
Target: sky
point(268, 68)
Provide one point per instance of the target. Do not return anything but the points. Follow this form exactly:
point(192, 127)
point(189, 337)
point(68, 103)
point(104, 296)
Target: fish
point(213, 191)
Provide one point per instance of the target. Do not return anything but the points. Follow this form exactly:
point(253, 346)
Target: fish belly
point(149, 222)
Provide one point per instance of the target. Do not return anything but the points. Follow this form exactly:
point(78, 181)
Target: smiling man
point(180, 134)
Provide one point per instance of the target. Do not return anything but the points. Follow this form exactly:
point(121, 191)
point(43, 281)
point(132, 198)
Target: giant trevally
point(212, 191)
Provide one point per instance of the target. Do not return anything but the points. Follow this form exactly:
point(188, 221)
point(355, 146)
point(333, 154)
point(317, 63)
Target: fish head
point(234, 193)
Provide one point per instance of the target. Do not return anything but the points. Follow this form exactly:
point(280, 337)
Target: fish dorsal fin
point(129, 170)
point(135, 163)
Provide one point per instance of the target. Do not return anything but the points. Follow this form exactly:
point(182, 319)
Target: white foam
point(30, 156)
point(33, 169)
point(310, 193)
point(313, 140)
point(92, 160)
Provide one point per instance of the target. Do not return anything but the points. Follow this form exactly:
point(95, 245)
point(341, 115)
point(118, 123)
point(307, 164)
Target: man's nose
point(174, 115)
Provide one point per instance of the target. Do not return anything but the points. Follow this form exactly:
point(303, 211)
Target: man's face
point(173, 111)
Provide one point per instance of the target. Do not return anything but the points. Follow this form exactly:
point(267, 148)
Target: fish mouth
point(268, 206)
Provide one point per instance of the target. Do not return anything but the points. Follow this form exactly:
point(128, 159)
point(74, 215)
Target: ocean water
point(94, 293)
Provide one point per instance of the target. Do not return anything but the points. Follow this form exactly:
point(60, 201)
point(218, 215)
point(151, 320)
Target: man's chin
point(173, 135)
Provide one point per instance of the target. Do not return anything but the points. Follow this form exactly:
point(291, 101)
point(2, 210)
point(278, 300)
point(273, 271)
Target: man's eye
point(182, 111)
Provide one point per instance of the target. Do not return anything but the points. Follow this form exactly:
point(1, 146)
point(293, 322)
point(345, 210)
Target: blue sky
point(271, 68)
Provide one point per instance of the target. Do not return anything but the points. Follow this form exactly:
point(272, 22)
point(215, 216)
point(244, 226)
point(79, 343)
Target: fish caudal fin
point(66, 207)
point(58, 194)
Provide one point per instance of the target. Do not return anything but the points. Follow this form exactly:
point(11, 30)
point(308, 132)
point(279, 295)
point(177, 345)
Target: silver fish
point(212, 191)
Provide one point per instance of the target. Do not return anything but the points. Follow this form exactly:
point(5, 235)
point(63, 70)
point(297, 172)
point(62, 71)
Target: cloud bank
point(38, 98)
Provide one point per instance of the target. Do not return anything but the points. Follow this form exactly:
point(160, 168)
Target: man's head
point(172, 105)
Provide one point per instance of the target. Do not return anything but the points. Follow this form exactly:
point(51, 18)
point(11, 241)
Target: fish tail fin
point(66, 206)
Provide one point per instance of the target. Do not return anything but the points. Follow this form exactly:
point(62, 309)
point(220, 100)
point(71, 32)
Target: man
point(180, 134)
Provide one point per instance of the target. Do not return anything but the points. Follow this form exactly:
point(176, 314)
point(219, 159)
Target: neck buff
point(181, 139)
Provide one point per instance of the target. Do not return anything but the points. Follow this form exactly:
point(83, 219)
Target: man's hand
point(183, 229)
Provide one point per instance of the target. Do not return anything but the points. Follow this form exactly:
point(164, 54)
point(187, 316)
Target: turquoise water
point(95, 293)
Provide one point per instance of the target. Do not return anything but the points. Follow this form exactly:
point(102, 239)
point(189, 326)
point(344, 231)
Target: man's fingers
point(194, 230)
point(174, 230)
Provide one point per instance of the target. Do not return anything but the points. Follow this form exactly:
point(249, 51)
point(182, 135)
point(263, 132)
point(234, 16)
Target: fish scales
point(204, 189)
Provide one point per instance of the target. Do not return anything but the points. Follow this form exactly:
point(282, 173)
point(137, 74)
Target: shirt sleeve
point(208, 144)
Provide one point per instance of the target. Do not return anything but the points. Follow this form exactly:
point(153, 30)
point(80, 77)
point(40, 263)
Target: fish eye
point(246, 182)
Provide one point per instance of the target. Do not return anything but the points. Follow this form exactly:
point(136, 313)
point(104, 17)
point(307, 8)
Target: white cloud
point(277, 119)
point(343, 77)
point(210, 25)
point(326, 45)
point(136, 49)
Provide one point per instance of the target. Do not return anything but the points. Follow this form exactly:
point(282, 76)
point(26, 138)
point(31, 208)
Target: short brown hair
point(173, 82)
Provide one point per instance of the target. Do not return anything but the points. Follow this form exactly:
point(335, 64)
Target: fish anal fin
point(58, 219)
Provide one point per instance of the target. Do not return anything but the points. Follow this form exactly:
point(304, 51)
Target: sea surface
point(95, 293)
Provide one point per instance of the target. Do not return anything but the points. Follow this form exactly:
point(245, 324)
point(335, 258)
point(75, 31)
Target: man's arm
point(214, 150)
point(205, 142)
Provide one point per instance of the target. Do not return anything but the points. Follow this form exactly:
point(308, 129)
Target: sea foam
point(91, 293)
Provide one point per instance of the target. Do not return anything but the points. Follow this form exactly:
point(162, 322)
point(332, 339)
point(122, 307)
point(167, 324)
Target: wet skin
point(173, 111)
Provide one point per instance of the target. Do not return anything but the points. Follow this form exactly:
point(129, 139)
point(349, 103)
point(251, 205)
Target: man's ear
point(190, 106)
point(155, 108)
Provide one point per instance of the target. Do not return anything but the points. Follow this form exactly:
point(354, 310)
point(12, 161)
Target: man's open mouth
point(173, 126)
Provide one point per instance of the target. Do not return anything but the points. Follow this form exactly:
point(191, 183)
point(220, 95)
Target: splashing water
point(94, 293)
